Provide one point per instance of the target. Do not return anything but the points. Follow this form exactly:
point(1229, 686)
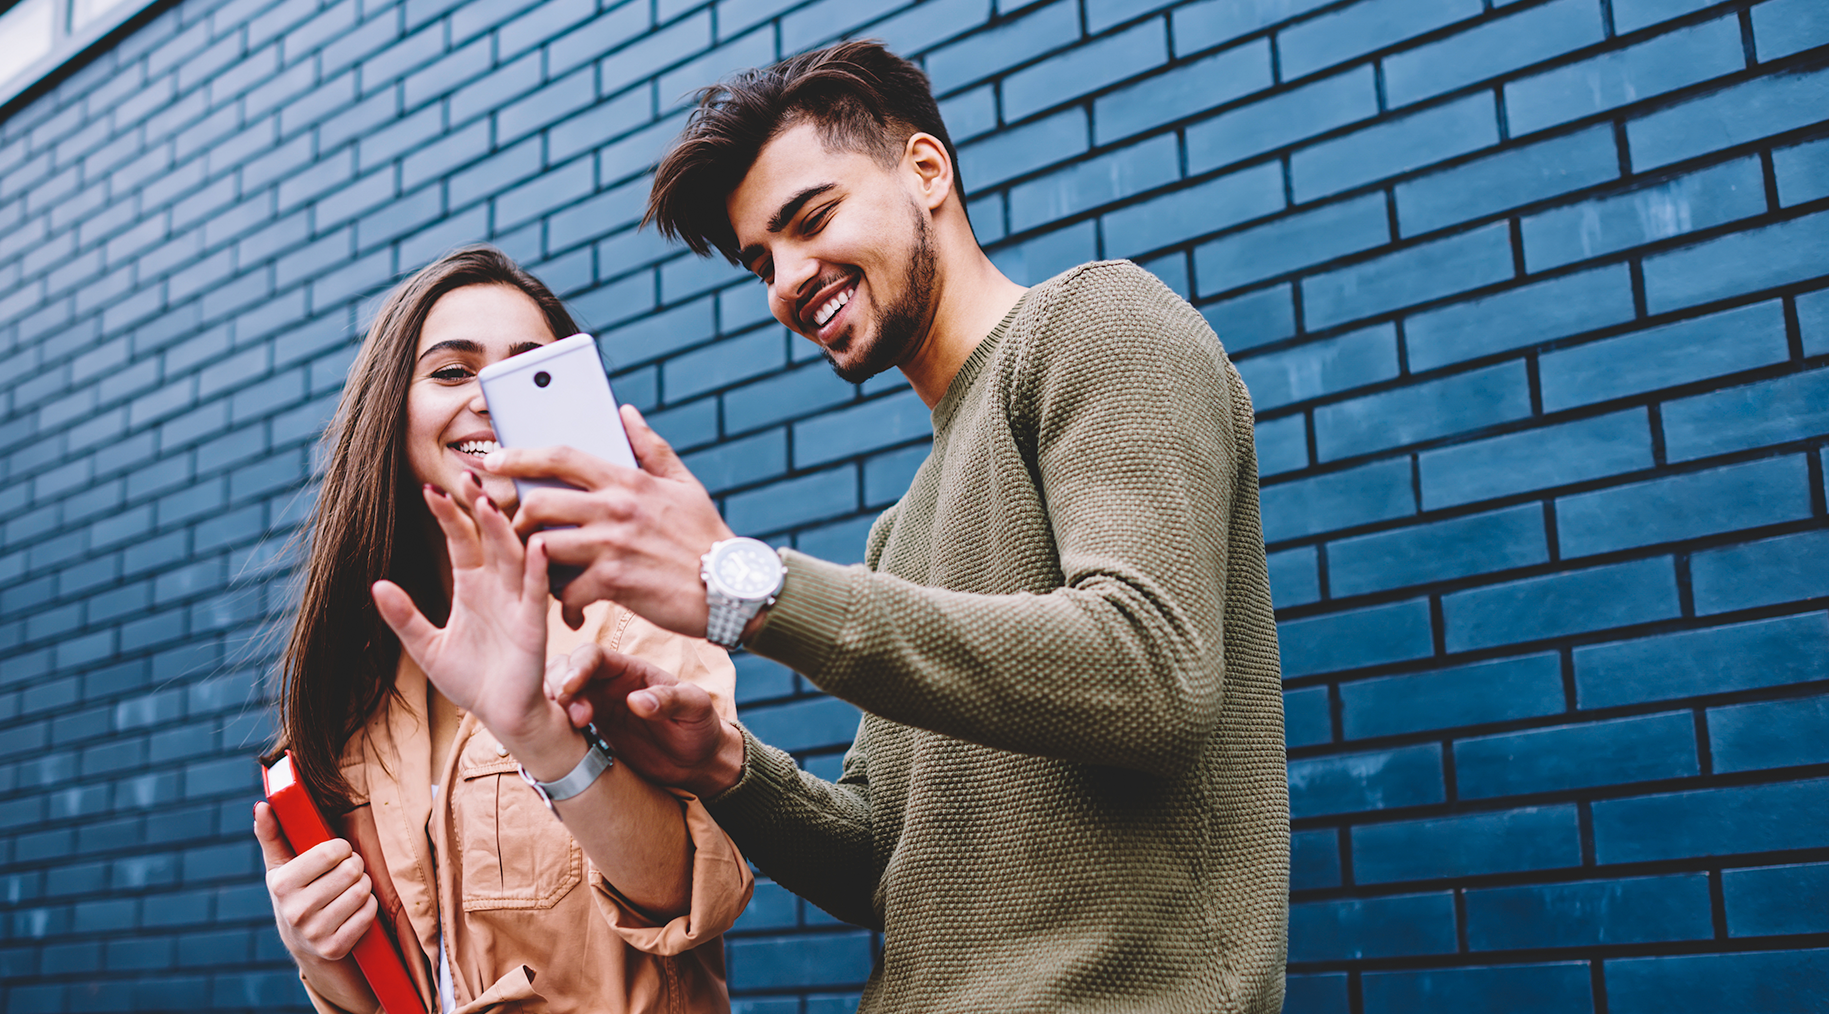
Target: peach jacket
point(541, 929)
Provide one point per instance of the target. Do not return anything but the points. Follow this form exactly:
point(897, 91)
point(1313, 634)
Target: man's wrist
point(724, 769)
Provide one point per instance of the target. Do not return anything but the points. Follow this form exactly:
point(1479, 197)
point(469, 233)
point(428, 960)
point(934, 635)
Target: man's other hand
point(669, 732)
point(637, 534)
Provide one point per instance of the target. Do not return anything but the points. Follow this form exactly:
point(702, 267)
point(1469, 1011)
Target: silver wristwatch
point(741, 576)
point(597, 759)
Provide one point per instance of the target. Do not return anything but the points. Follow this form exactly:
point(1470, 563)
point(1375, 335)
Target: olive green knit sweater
point(1068, 792)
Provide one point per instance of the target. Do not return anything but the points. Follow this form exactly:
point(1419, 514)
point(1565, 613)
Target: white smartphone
point(552, 395)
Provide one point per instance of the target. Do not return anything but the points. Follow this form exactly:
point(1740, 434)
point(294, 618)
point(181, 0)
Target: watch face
point(747, 570)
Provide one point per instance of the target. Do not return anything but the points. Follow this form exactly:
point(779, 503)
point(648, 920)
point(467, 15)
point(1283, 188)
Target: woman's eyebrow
point(454, 345)
point(525, 347)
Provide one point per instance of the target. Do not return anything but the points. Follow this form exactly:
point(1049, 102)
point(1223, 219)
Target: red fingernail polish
point(474, 479)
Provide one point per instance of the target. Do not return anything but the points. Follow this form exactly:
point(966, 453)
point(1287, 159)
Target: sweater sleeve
point(1127, 415)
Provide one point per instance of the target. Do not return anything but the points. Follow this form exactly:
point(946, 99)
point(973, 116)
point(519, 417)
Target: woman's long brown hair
point(369, 523)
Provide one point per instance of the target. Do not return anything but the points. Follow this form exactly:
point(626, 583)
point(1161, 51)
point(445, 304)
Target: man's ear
point(926, 158)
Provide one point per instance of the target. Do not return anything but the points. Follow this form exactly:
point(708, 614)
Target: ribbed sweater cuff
point(802, 628)
point(768, 774)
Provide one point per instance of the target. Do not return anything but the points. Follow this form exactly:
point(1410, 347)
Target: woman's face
point(447, 422)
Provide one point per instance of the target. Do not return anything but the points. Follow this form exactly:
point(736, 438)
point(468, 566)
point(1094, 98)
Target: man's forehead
point(790, 162)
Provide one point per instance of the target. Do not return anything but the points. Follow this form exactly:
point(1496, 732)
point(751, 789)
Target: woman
point(617, 905)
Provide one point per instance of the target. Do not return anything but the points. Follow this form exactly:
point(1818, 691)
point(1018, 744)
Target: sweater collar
point(973, 365)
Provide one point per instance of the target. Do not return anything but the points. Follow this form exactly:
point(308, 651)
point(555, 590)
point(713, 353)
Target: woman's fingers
point(460, 531)
point(396, 607)
point(274, 850)
point(533, 573)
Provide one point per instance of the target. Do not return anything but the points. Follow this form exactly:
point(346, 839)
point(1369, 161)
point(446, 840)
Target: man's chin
point(856, 372)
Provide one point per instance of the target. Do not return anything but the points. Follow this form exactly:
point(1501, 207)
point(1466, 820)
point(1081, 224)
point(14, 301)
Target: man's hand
point(490, 656)
point(667, 731)
point(637, 534)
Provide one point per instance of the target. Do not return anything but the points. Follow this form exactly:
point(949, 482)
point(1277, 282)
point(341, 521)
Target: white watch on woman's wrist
point(741, 576)
point(596, 760)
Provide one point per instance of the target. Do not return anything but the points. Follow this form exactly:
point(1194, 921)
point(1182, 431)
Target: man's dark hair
point(860, 96)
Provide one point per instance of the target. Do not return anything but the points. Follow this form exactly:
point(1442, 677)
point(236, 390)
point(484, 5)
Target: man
point(1068, 789)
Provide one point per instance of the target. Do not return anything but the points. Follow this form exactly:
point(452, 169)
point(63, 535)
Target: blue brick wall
point(1532, 297)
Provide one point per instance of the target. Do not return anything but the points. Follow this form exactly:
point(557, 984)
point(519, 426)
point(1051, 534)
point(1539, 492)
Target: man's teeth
point(477, 446)
point(825, 312)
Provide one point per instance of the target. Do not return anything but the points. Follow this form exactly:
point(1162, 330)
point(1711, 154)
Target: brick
point(1498, 46)
point(1733, 115)
point(968, 114)
point(689, 276)
point(1468, 401)
point(1784, 252)
point(1438, 551)
point(1803, 172)
point(1784, 27)
point(804, 725)
point(1780, 410)
point(1355, 928)
point(1534, 838)
point(800, 961)
point(864, 427)
point(1620, 77)
point(1282, 446)
point(621, 22)
point(1534, 459)
point(1681, 353)
point(1314, 859)
point(1014, 152)
point(1414, 275)
point(1181, 92)
point(659, 334)
point(1253, 319)
point(1356, 639)
point(1281, 120)
point(1498, 691)
point(1171, 218)
point(1563, 986)
point(653, 52)
point(1556, 605)
point(740, 462)
point(1041, 258)
point(1507, 180)
point(842, 542)
point(1083, 69)
point(1368, 493)
point(1362, 28)
point(1712, 822)
point(1292, 242)
point(1698, 200)
point(1316, 369)
point(1632, 15)
point(1201, 25)
point(1769, 734)
point(1645, 748)
point(1777, 900)
point(1684, 507)
point(792, 502)
point(1293, 577)
point(1099, 181)
point(1351, 783)
point(1306, 722)
point(1784, 569)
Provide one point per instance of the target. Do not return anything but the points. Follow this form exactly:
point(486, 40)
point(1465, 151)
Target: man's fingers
point(682, 702)
point(566, 464)
point(408, 623)
point(273, 846)
point(656, 455)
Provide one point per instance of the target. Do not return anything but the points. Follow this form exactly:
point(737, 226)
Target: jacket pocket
point(515, 853)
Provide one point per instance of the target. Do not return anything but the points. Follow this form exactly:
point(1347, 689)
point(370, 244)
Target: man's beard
point(900, 324)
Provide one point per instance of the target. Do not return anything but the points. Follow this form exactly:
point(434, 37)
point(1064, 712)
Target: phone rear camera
point(542, 378)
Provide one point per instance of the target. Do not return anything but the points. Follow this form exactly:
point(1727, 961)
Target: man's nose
point(793, 276)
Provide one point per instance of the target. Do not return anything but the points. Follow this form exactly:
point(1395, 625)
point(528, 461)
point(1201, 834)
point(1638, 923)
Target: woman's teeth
point(477, 447)
point(832, 306)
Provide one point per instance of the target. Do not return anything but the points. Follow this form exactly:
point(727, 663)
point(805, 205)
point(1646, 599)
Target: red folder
point(305, 827)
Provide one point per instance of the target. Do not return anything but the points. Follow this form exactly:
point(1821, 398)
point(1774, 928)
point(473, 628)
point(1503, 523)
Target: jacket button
point(500, 750)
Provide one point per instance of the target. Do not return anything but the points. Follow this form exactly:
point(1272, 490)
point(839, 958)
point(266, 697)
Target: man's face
point(843, 247)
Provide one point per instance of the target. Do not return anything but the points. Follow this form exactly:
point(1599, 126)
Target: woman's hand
point(324, 902)
point(490, 656)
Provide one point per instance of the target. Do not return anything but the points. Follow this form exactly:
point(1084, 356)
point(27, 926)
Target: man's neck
point(972, 298)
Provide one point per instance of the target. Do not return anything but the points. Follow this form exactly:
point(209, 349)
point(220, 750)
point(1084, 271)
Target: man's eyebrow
point(454, 345)
point(783, 215)
point(793, 205)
